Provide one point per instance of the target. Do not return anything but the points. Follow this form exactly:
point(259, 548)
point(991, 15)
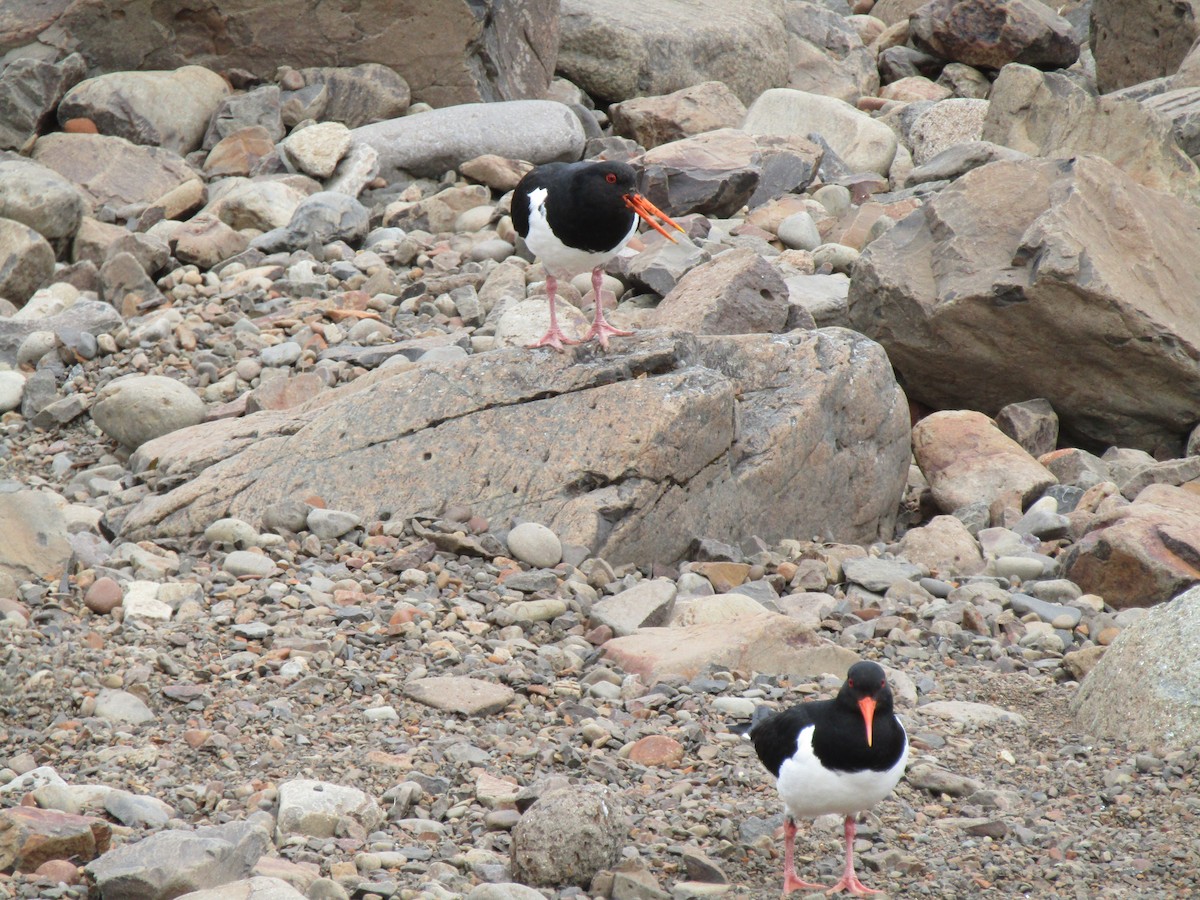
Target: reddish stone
point(103, 596)
point(657, 750)
point(30, 836)
point(724, 576)
point(58, 870)
point(80, 126)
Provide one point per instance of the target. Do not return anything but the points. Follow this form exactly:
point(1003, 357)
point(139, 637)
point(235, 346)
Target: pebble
point(246, 562)
point(535, 544)
point(331, 523)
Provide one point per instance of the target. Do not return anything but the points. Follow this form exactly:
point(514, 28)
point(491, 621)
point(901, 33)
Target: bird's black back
point(583, 209)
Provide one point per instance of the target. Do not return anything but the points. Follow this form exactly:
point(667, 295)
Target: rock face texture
point(1137, 41)
point(448, 52)
point(976, 309)
point(733, 437)
point(618, 49)
point(1144, 687)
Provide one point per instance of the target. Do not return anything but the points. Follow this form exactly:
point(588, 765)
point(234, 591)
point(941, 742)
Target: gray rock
point(138, 408)
point(30, 90)
point(125, 284)
point(1138, 690)
point(737, 292)
point(534, 543)
point(282, 354)
point(123, 707)
point(12, 387)
point(261, 106)
point(593, 487)
point(317, 149)
point(799, 231)
point(864, 143)
point(1032, 424)
point(137, 811)
point(646, 604)
point(261, 887)
point(960, 159)
point(360, 95)
point(568, 836)
point(880, 574)
point(26, 261)
point(246, 562)
point(1047, 612)
point(171, 863)
point(972, 714)
point(42, 199)
point(322, 218)
point(504, 891)
point(458, 694)
point(169, 109)
point(314, 807)
point(330, 523)
point(1135, 42)
point(33, 535)
point(430, 143)
point(927, 777)
point(659, 267)
point(824, 297)
point(613, 48)
point(946, 124)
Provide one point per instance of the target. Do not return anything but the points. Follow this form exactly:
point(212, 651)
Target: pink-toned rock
point(657, 750)
point(284, 393)
point(943, 545)
point(238, 153)
point(60, 871)
point(497, 172)
point(1143, 553)
point(914, 87)
point(30, 836)
point(694, 110)
point(967, 459)
point(103, 596)
point(769, 643)
point(205, 241)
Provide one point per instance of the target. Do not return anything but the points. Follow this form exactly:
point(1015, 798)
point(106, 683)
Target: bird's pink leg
point(554, 336)
point(849, 881)
point(790, 881)
point(600, 328)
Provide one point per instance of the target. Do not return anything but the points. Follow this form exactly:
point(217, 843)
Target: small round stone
point(534, 543)
point(103, 596)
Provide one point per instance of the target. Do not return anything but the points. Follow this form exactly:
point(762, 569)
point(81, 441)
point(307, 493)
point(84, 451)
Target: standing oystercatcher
point(833, 756)
point(575, 217)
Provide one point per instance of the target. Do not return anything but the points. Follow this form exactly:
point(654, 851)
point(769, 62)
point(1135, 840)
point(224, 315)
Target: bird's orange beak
point(867, 705)
point(648, 210)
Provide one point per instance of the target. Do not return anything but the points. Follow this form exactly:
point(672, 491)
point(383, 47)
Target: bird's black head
point(866, 689)
point(604, 179)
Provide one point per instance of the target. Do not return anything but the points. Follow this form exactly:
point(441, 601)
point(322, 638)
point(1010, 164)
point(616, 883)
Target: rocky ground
point(309, 698)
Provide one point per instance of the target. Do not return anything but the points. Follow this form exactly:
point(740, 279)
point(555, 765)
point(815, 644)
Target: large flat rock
point(631, 454)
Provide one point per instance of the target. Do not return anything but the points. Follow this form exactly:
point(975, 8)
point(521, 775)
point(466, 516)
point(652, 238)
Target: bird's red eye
point(611, 177)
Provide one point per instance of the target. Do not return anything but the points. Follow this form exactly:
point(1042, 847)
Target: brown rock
point(993, 33)
point(1032, 424)
point(496, 172)
point(238, 153)
point(1018, 273)
point(914, 87)
point(945, 546)
point(768, 643)
point(1137, 40)
point(718, 172)
point(967, 459)
point(739, 292)
point(30, 90)
point(724, 576)
point(1143, 553)
point(657, 750)
point(1048, 114)
point(125, 284)
point(30, 836)
point(103, 596)
point(651, 121)
point(111, 169)
point(59, 871)
point(94, 238)
point(205, 241)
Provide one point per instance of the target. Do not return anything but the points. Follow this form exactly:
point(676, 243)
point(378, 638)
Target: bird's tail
point(744, 728)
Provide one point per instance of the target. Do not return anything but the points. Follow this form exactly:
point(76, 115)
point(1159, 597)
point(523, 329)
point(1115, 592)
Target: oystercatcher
point(832, 756)
point(575, 217)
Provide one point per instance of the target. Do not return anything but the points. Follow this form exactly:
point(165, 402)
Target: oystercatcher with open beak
point(575, 217)
point(833, 756)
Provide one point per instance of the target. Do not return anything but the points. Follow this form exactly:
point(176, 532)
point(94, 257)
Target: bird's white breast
point(559, 259)
point(809, 790)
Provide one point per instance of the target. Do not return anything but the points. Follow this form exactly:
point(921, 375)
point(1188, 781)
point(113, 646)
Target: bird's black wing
point(774, 738)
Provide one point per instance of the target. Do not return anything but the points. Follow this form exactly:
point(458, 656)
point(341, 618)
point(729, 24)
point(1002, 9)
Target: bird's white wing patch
point(559, 259)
